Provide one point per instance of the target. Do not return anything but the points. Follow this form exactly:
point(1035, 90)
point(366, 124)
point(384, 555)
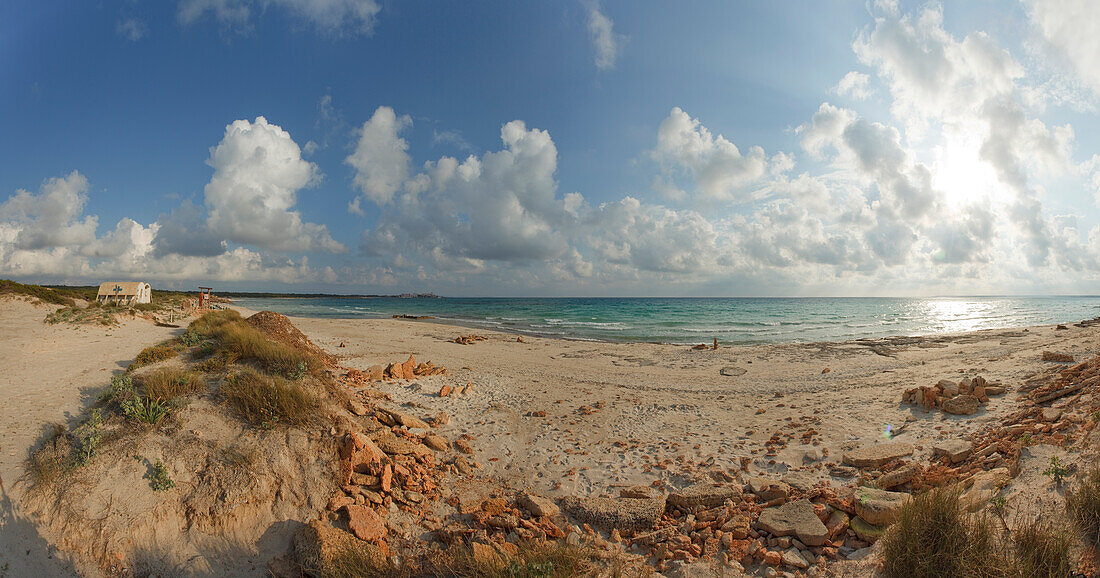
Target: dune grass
point(1041, 550)
point(933, 537)
point(534, 559)
point(268, 400)
point(1083, 504)
point(225, 336)
point(50, 460)
point(156, 353)
point(169, 383)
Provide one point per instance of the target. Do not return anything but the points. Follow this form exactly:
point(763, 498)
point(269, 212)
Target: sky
point(572, 148)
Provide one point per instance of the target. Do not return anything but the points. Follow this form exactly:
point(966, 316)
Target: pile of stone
point(392, 372)
point(962, 398)
point(469, 339)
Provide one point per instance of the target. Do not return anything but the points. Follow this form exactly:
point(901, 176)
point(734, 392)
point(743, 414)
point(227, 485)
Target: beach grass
point(1083, 504)
point(268, 400)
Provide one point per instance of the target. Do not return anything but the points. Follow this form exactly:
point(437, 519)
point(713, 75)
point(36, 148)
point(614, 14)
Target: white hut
point(124, 292)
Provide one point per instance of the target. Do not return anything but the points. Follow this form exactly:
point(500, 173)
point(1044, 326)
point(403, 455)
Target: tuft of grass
point(1083, 504)
point(155, 353)
point(226, 335)
point(932, 538)
point(1041, 550)
point(268, 400)
point(47, 463)
point(168, 383)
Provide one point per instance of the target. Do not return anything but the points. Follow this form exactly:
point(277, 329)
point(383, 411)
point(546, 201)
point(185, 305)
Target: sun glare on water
point(962, 175)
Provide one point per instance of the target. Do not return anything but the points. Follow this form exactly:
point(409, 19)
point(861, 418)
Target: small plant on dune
point(1083, 504)
point(933, 538)
point(143, 409)
point(299, 371)
point(88, 437)
point(1041, 550)
point(158, 478)
point(121, 388)
point(1056, 471)
point(192, 338)
point(1025, 439)
point(268, 400)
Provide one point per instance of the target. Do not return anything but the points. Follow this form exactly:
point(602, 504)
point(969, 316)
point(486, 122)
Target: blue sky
point(572, 148)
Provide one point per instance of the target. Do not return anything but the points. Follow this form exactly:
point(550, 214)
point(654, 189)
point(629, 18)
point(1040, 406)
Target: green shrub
point(933, 538)
point(1041, 550)
point(37, 291)
point(121, 388)
point(143, 409)
point(158, 477)
point(268, 400)
point(1056, 471)
point(168, 383)
point(154, 354)
point(1083, 504)
point(88, 437)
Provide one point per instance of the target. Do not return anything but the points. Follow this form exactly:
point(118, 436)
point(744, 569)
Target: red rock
point(339, 501)
point(387, 478)
point(365, 523)
point(773, 558)
point(409, 367)
point(463, 446)
point(445, 391)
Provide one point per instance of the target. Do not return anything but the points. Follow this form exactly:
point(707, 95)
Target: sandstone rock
point(837, 523)
point(879, 507)
point(966, 386)
point(409, 367)
point(768, 489)
point(950, 389)
point(395, 446)
point(772, 558)
point(611, 513)
point(647, 492)
point(538, 506)
point(374, 373)
point(365, 523)
point(442, 418)
point(962, 404)
point(995, 389)
point(321, 548)
point(357, 408)
point(1057, 357)
point(704, 494)
point(794, 519)
point(956, 450)
point(358, 452)
point(794, 559)
point(1051, 413)
point(899, 476)
point(445, 391)
point(876, 455)
point(436, 442)
point(406, 420)
point(463, 446)
point(339, 501)
point(866, 531)
point(982, 487)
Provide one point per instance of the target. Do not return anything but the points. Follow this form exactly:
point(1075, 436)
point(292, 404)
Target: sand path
point(48, 374)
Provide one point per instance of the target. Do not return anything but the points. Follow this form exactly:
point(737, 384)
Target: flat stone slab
point(704, 494)
point(964, 404)
point(615, 513)
point(794, 519)
point(955, 450)
point(876, 455)
point(879, 507)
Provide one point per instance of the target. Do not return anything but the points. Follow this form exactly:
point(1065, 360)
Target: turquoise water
point(691, 320)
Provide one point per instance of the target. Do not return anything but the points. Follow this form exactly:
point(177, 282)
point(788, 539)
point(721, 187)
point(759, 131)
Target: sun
point(961, 174)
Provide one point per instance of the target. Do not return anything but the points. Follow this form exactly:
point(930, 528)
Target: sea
point(700, 320)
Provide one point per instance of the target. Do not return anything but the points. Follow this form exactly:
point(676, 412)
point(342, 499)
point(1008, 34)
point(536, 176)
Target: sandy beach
point(625, 414)
point(573, 418)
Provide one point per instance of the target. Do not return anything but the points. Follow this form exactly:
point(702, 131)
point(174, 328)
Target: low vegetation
point(169, 383)
point(933, 537)
point(158, 477)
point(1041, 550)
point(38, 292)
point(268, 400)
point(76, 315)
point(1083, 504)
point(156, 353)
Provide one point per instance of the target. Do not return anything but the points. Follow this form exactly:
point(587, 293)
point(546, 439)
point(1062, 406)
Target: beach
point(560, 418)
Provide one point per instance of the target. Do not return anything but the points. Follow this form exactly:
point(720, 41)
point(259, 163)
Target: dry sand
point(48, 374)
